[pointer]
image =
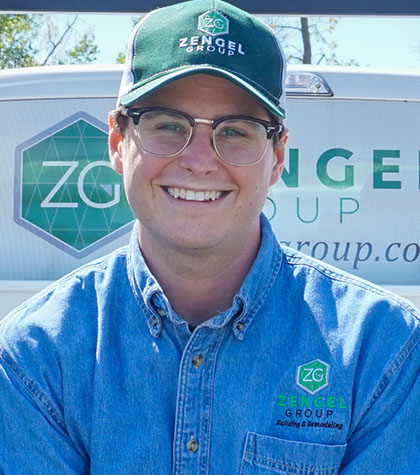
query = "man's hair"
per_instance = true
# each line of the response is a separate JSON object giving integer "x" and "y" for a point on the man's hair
{"x": 119, "y": 120}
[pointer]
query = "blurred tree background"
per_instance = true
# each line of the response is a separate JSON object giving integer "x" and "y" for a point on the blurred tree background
{"x": 308, "y": 40}
{"x": 39, "y": 40}
{"x": 304, "y": 40}
{"x": 36, "y": 40}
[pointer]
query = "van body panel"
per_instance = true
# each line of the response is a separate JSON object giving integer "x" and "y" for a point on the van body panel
{"x": 349, "y": 194}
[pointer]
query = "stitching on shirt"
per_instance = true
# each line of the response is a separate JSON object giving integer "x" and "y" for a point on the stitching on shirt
{"x": 214, "y": 350}
{"x": 32, "y": 388}
{"x": 101, "y": 263}
{"x": 276, "y": 464}
{"x": 404, "y": 352}
{"x": 294, "y": 260}
{"x": 273, "y": 272}
{"x": 394, "y": 367}
{"x": 132, "y": 279}
{"x": 137, "y": 292}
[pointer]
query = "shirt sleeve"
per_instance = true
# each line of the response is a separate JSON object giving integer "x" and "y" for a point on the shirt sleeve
{"x": 386, "y": 439}
{"x": 33, "y": 437}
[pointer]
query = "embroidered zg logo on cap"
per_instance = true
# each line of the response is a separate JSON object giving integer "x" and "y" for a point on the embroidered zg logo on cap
{"x": 313, "y": 376}
{"x": 213, "y": 23}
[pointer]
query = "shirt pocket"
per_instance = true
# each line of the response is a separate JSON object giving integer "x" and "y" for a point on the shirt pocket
{"x": 264, "y": 455}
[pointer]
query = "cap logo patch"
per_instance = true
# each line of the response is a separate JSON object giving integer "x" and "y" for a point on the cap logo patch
{"x": 213, "y": 23}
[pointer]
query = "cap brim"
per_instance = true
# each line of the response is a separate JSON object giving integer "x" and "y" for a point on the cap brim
{"x": 143, "y": 90}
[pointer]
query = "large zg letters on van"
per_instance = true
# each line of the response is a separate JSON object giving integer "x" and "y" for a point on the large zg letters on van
{"x": 68, "y": 193}
{"x": 47, "y": 203}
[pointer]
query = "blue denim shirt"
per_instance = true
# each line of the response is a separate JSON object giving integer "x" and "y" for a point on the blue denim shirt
{"x": 311, "y": 371}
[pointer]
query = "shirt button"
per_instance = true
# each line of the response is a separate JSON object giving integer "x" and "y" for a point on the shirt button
{"x": 155, "y": 322}
{"x": 161, "y": 312}
{"x": 192, "y": 445}
{"x": 240, "y": 326}
{"x": 198, "y": 360}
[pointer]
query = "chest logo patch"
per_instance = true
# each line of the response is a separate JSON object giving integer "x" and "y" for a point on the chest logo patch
{"x": 313, "y": 376}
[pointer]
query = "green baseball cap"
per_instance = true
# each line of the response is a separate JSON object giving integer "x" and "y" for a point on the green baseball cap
{"x": 204, "y": 36}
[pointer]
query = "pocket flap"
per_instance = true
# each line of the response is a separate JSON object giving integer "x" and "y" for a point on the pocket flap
{"x": 288, "y": 456}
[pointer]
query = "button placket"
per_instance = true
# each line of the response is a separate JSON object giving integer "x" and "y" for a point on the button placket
{"x": 193, "y": 415}
{"x": 192, "y": 445}
{"x": 198, "y": 360}
{"x": 161, "y": 312}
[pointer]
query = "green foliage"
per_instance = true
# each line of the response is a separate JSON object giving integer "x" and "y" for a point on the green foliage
{"x": 120, "y": 59}
{"x": 17, "y": 34}
{"x": 85, "y": 51}
{"x": 307, "y": 40}
{"x": 38, "y": 40}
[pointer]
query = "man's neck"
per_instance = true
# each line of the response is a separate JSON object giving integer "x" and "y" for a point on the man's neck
{"x": 199, "y": 284}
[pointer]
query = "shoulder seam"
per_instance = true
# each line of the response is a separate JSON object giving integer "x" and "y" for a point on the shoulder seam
{"x": 34, "y": 391}
{"x": 349, "y": 279}
{"x": 100, "y": 263}
{"x": 409, "y": 347}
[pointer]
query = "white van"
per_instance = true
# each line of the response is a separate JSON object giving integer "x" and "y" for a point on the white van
{"x": 349, "y": 194}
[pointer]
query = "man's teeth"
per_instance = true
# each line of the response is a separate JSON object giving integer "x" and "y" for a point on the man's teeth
{"x": 191, "y": 195}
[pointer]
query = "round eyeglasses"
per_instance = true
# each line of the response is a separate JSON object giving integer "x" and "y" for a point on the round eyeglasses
{"x": 237, "y": 140}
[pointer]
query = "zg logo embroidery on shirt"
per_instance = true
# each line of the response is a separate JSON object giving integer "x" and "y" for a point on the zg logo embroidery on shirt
{"x": 213, "y": 23}
{"x": 313, "y": 376}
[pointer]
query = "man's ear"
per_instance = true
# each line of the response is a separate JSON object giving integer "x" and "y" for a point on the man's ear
{"x": 115, "y": 146}
{"x": 279, "y": 154}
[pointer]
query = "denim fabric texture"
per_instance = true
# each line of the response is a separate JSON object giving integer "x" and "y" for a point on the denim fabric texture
{"x": 310, "y": 372}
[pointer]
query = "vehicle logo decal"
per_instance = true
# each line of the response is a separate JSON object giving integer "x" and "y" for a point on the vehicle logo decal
{"x": 66, "y": 191}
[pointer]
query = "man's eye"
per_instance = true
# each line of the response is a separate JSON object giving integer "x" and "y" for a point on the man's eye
{"x": 164, "y": 123}
{"x": 232, "y": 132}
{"x": 170, "y": 127}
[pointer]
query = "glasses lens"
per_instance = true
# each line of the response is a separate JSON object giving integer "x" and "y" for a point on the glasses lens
{"x": 163, "y": 133}
{"x": 240, "y": 141}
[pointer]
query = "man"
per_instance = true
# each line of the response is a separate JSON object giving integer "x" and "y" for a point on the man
{"x": 204, "y": 347}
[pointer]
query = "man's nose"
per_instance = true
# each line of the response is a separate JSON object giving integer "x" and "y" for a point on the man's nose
{"x": 200, "y": 157}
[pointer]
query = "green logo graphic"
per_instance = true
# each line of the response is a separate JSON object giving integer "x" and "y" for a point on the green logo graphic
{"x": 68, "y": 192}
{"x": 213, "y": 23}
{"x": 313, "y": 376}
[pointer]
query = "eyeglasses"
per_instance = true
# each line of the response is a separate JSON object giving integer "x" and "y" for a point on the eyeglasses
{"x": 237, "y": 140}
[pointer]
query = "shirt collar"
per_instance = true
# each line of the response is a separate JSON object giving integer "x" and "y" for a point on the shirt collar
{"x": 246, "y": 302}
{"x": 260, "y": 279}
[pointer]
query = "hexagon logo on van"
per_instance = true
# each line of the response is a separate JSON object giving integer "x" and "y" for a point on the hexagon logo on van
{"x": 66, "y": 191}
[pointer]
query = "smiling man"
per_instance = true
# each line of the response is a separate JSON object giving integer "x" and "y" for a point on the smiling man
{"x": 197, "y": 186}
{"x": 205, "y": 347}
